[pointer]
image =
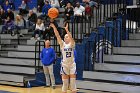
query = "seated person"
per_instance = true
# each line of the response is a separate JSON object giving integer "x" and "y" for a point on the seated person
{"x": 55, "y": 3}
{"x": 19, "y": 24}
{"x": 8, "y": 25}
{"x": 23, "y": 8}
{"x": 78, "y": 12}
{"x": 2, "y": 16}
{"x": 39, "y": 29}
{"x": 10, "y": 14}
{"x": 32, "y": 18}
{"x": 49, "y": 31}
{"x": 69, "y": 11}
{"x": 6, "y": 6}
{"x": 45, "y": 9}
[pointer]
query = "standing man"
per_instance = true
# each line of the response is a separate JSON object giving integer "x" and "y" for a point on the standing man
{"x": 48, "y": 57}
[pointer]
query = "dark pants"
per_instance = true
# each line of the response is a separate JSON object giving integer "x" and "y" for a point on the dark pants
{"x": 18, "y": 28}
{"x": 23, "y": 11}
{"x": 78, "y": 18}
{"x": 5, "y": 28}
{"x": 39, "y": 32}
{"x": 48, "y": 33}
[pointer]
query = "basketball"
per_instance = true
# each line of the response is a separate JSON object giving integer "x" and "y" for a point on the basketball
{"x": 53, "y": 13}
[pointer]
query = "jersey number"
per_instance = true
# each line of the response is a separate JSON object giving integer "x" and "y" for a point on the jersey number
{"x": 68, "y": 54}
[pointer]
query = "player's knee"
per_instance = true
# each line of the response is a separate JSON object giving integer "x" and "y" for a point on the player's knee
{"x": 72, "y": 76}
{"x": 65, "y": 85}
{"x": 73, "y": 84}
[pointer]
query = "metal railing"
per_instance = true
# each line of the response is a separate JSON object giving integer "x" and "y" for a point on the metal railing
{"x": 38, "y": 48}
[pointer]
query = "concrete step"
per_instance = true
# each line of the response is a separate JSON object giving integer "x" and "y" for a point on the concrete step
{"x": 134, "y": 36}
{"x": 108, "y": 87}
{"x": 12, "y": 83}
{"x": 21, "y": 54}
{"x": 122, "y": 58}
{"x": 126, "y": 50}
{"x": 15, "y": 61}
{"x": 17, "y": 69}
{"x": 24, "y": 31}
{"x": 3, "y": 53}
{"x": 8, "y": 36}
{"x": 5, "y": 41}
{"x": 11, "y": 77}
{"x": 131, "y": 43}
{"x": 28, "y": 48}
{"x": 21, "y": 41}
{"x": 112, "y": 77}
{"x": 31, "y": 42}
{"x": 8, "y": 49}
{"x": 124, "y": 68}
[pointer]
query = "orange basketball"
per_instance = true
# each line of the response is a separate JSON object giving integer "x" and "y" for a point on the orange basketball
{"x": 53, "y": 13}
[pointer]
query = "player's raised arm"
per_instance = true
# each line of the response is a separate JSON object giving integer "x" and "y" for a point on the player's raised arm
{"x": 57, "y": 34}
{"x": 69, "y": 34}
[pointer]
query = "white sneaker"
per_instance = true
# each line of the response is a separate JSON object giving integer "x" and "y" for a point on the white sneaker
{"x": 21, "y": 35}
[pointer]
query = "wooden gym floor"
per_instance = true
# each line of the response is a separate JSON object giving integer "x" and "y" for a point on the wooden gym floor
{"x": 40, "y": 90}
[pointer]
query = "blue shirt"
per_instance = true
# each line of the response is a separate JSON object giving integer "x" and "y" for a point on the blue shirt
{"x": 45, "y": 9}
{"x": 47, "y": 56}
{"x": 5, "y": 7}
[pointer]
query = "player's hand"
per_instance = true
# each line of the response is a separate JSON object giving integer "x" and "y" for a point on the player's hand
{"x": 66, "y": 27}
{"x": 52, "y": 25}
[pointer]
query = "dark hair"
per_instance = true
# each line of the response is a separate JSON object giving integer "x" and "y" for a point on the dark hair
{"x": 69, "y": 2}
{"x": 47, "y": 1}
{"x": 87, "y": 3}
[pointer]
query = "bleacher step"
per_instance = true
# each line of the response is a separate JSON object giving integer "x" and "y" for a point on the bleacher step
{"x": 112, "y": 77}
{"x": 11, "y": 77}
{"x": 108, "y": 87}
{"x": 122, "y": 68}
{"x": 28, "y": 48}
{"x": 131, "y": 43}
{"x": 15, "y": 61}
{"x": 122, "y": 58}
{"x": 126, "y": 50}
{"x": 21, "y": 54}
{"x": 12, "y": 83}
{"x": 17, "y": 69}
{"x": 8, "y": 36}
{"x": 134, "y": 36}
{"x": 9, "y": 49}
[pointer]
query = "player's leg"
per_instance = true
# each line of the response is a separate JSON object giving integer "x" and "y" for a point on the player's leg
{"x": 51, "y": 75}
{"x": 46, "y": 72}
{"x": 73, "y": 78}
{"x": 65, "y": 79}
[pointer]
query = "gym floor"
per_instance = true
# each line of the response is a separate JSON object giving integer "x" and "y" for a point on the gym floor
{"x": 40, "y": 90}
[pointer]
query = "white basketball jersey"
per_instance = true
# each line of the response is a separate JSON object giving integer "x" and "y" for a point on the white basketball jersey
{"x": 67, "y": 54}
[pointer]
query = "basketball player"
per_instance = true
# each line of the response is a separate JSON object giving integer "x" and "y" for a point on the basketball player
{"x": 68, "y": 65}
